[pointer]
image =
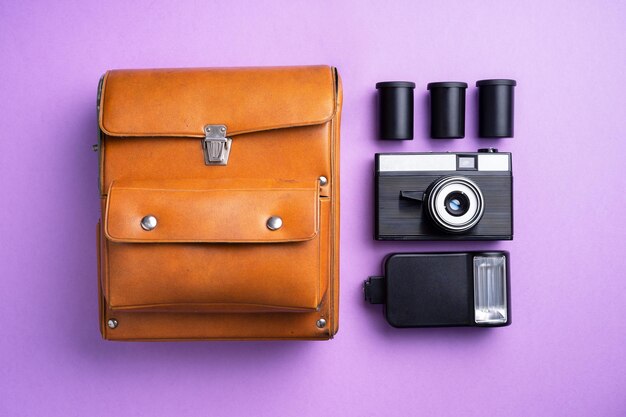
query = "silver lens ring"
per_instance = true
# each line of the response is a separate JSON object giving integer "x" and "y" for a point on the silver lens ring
{"x": 437, "y": 207}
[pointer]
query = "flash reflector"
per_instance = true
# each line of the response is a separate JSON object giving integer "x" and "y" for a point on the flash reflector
{"x": 490, "y": 289}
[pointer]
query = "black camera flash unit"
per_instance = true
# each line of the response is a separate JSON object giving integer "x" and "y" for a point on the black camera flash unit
{"x": 443, "y": 289}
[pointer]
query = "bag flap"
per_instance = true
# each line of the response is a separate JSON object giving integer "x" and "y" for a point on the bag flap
{"x": 212, "y": 211}
{"x": 180, "y": 102}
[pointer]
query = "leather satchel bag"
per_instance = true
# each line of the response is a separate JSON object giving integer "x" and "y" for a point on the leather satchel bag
{"x": 219, "y": 203}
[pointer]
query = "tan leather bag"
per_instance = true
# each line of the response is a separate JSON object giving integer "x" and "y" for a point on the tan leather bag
{"x": 220, "y": 203}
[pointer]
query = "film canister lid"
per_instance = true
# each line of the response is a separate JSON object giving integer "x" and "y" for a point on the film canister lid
{"x": 447, "y": 109}
{"x": 390, "y": 84}
{"x": 496, "y": 82}
{"x": 441, "y": 84}
{"x": 496, "y": 108}
{"x": 395, "y": 109}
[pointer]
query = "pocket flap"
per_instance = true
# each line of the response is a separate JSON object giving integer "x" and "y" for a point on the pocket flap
{"x": 180, "y": 102}
{"x": 212, "y": 211}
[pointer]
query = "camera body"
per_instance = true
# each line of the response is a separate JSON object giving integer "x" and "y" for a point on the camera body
{"x": 444, "y": 196}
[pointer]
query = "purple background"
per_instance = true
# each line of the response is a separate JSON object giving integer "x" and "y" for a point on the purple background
{"x": 564, "y": 352}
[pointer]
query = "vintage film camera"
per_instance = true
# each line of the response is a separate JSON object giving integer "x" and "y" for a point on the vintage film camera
{"x": 444, "y": 196}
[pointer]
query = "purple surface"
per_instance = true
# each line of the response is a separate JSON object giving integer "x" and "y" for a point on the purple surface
{"x": 564, "y": 352}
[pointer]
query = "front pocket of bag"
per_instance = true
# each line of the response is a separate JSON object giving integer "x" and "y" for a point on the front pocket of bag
{"x": 211, "y": 249}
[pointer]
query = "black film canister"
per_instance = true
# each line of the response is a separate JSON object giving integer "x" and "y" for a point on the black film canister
{"x": 447, "y": 109}
{"x": 395, "y": 110}
{"x": 495, "y": 108}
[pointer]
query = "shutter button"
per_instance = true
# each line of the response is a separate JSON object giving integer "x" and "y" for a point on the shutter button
{"x": 274, "y": 223}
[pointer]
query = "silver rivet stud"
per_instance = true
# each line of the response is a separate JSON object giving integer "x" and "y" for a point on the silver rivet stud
{"x": 112, "y": 323}
{"x": 323, "y": 181}
{"x": 149, "y": 222}
{"x": 222, "y": 129}
{"x": 274, "y": 223}
{"x": 207, "y": 129}
{"x": 321, "y": 323}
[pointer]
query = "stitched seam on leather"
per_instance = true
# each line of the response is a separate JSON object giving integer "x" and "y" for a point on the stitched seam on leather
{"x": 272, "y": 307}
{"x": 333, "y": 157}
{"x": 101, "y": 315}
{"x": 215, "y": 338}
{"x": 108, "y": 273}
{"x": 177, "y": 190}
{"x": 101, "y": 167}
{"x": 259, "y": 241}
{"x": 337, "y": 139}
{"x": 319, "y": 254}
{"x": 199, "y": 136}
{"x": 102, "y": 95}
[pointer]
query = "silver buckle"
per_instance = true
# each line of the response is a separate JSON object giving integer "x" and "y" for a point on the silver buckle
{"x": 216, "y": 145}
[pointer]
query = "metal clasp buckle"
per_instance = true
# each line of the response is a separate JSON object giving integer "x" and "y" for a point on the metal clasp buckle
{"x": 216, "y": 145}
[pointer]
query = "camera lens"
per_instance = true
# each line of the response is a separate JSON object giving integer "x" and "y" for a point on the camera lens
{"x": 455, "y": 204}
